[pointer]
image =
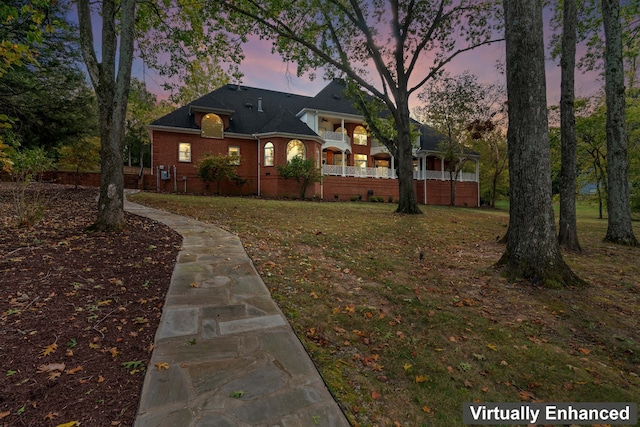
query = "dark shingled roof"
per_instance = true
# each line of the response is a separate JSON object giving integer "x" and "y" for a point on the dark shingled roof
{"x": 429, "y": 138}
{"x": 278, "y": 111}
{"x": 332, "y": 98}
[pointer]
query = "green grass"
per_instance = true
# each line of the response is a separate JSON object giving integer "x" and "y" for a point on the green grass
{"x": 400, "y": 339}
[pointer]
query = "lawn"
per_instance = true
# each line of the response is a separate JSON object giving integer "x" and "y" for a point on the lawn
{"x": 406, "y": 317}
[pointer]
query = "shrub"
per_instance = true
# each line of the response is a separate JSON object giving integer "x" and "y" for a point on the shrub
{"x": 27, "y": 168}
{"x": 219, "y": 168}
{"x": 303, "y": 171}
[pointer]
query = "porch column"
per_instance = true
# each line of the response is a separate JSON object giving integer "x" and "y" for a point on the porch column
{"x": 424, "y": 166}
{"x": 343, "y": 155}
{"x": 477, "y": 171}
{"x": 343, "y": 129}
{"x": 393, "y": 167}
{"x": 442, "y": 167}
{"x": 478, "y": 180}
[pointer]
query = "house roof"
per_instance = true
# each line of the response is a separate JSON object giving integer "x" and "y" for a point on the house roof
{"x": 333, "y": 98}
{"x": 429, "y": 138}
{"x": 252, "y": 111}
{"x": 255, "y": 111}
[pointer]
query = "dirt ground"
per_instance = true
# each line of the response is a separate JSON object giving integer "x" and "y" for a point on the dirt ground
{"x": 78, "y": 311}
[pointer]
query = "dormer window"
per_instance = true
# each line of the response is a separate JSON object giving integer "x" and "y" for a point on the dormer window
{"x": 212, "y": 126}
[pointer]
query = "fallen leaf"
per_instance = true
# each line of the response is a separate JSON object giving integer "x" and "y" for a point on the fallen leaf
{"x": 525, "y": 395}
{"x": 51, "y": 415}
{"x": 4, "y": 414}
{"x": 54, "y": 375}
{"x": 74, "y": 370}
{"x": 584, "y": 351}
{"x": 427, "y": 410}
{"x": 194, "y": 285}
{"x": 468, "y": 384}
{"x": 51, "y": 367}
{"x": 422, "y": 378}
{"x": 114, "y": 352}
{"x": 49, "y": 350}
{"x": 69, "y": 424}
{"x": 375, "y": 395}
{"x": 407, "y": 367}
{"x": 100, "y": 379}
{"x": 492, "y": 347}
{"x": 162, "y": 365}
{"x": 452, "y": 339}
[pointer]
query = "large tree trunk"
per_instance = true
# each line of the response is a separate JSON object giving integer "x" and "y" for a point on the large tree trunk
{"x": 568, "y": 230}
{"x": 620, "y": 229}
{"x": 408, "y": 202}
{"x": 111, "y": 80}
{"x": 532, "y": 247}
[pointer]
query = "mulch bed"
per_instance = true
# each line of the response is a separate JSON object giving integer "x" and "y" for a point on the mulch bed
{"x": 78, "y": 311}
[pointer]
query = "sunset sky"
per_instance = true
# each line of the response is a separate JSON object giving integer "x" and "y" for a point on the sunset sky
{"x": 265, "y": 70}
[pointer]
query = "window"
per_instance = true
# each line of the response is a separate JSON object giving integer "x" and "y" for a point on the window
{"x": 235, "y": 152}
{"x": 360, "y": 136}
{"x": 184, "y": 152}
{"x": 360, "y": 160}
{"x": 295, "y": 148}
{"x": 268, "y": 154}
{"x": 212, "y": 126}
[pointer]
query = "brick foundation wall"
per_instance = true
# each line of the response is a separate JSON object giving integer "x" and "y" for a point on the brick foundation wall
{"x": 438, "y": 192}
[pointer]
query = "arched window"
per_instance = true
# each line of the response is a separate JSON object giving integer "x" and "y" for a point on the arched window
{"x": 212, "y": 126}
{"x": 360, "y": 135}
{"x": 295, "y": 148}
{"x": 268, "y": 154}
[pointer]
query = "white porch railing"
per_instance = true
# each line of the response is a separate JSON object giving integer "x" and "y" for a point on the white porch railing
{"x": 358, "y": 172}
{"x": 443, "y": 175}
{"x": 383, "y": 172}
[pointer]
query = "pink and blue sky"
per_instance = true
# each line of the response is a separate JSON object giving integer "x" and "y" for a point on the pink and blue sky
{"x": 265, "y": 70}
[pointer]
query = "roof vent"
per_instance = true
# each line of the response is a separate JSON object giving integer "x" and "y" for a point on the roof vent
{"x": 249, "y": 105}
{"x": 336, "y": 96}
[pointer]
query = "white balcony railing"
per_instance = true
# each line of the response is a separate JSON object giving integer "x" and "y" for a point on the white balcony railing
{"x": 383, "y": 172}
{"x": 443, "y": 176}
{"x": 358, "y": 172}
{"x": 335, "y": 136}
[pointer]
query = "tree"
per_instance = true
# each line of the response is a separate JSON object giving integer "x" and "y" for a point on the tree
{"x": 568, "y": 229}
{"x": 82, "y": 155}
{"x": 452, "y": 104}
{"x": 201, "y": 78}
{"x": 218, "y": 168}
{"x": 111, "y": 81}
{"x": 592, "y": 150}
{"x": 140, "y": 112}
{"x": 303, "y": 171}
{"x": 532, "y": 250}
{"x": 620, "y": 229}
{"x": 403, "y": 44}
{"x": 23, "y": 23}
{"x": 171, "y": 33}
{"x": 490, "y": 141}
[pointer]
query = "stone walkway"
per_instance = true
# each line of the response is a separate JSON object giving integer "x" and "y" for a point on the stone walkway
{"x": 232, "y": 359}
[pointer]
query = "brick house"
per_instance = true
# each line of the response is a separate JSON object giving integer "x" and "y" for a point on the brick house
{"x": 267, "y": 128}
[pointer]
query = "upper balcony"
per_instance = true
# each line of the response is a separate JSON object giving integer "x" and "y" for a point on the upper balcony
{"x": 337, "y": 140}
